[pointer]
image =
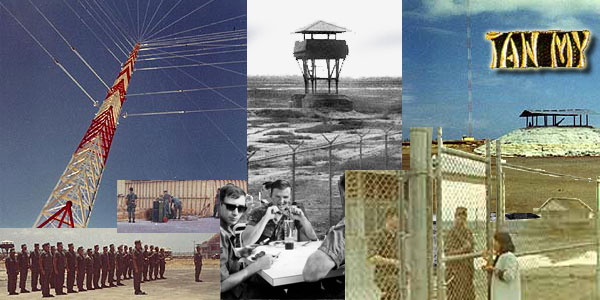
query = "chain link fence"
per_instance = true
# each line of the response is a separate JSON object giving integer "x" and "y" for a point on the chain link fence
{"x": 375, "y": 235}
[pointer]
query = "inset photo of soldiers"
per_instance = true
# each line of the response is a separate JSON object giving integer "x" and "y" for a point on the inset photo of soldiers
{"x": 169, "y": 206}
{"x": 104, "y": 264}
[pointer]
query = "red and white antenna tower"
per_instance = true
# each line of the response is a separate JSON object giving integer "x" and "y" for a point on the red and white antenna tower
{"x": 72, "y": 199}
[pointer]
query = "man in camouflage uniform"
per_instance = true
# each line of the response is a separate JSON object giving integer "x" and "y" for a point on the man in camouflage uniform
{"x": 89, "y": 270}
{"x": 46, "y": 269}
{"x": 138, "y": 267}
{"x": 131, "y": 199}
{"x": 151, "y": 263}
{"x": 111, "y": 266}
{"x": 162, "y": 263}
{"x": 383, "y": 253}
{"x": 80, "y": 269}
{"x": 97, "y": 267}
{"x": 52, "y": 275}
{"x": 459, "y": 274}
{"x": 130, "y": 263}
{"x": 120, "y": 265}
{"x": 145, "y": 263}
{"x": 71, "y": 257}
{"x": 59, "y": 269}
{"x": 12, "y": 270}
{"x": 35, "y": 267}
{"x": 156, "y": 262}
{"x": 104, "y": 267}
{"x": 23, "y": 259}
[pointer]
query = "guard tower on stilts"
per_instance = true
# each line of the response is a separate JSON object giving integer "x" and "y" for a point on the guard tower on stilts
{"x": 320, "y": 48}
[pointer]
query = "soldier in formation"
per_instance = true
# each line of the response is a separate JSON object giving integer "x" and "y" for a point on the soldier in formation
{"x": 53, "y": 264}
{"x": 198, "y": 263}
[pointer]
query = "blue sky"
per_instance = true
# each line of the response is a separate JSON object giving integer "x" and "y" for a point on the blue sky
{"x": 434, "y": 90}
{"x": 44, "y": 115}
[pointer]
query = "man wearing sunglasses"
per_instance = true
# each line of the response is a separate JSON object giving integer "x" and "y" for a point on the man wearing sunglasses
{"x": 232, "y": 206}
{"x": 267, "y": 221}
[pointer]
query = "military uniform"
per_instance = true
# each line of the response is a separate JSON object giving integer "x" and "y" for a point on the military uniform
{"x": 198, "y": 264}
{"x": 35, "y": 270}
{"x": 12, "y": 269}
{"x": 111, "y": 268}
{"x": 104, "y": 258}
{"x": 59, "y": 272}
{"x": 71, "y": 258}
{"x": 52, "y": 275}
{"x": 145, "y": 272}
{"x": 80, "y": 271}
{"x": 47, "y": 269}
{"x": 23, "y": 260}
{"x": 119, "y": 266}
{"x": 138, "y": 261}
{"x": 89, "y": 271}
{"x": 151, "y": 264}
{"x": 97, "y": 267}
{"x": 459, "y": 240}
{"x": 156, "y": 263}
{"x": 131, "y": 198}
{"x": 162, "y": 263}
{"x": 130, "y": 262}
{"x": 385, "y": 244}
{"x": 230, "y": 264}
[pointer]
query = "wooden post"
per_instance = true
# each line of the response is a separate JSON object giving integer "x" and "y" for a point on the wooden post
{"x": 328, "y": 76}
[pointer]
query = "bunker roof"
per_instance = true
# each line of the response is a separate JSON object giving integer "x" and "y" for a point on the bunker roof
{"x": 321, "y": 27}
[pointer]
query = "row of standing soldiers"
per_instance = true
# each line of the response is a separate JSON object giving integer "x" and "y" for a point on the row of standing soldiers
{"x": 50, "y": 266}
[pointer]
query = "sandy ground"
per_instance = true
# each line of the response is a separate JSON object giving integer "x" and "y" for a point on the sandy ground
{"x": 179, "y": 284}
{"x": 203, "y": 225}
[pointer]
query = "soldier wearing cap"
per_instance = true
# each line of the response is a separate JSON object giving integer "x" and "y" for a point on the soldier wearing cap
{"x": 151, "y": 263}
{"x": 145, "y": 263}
{"x": 130, "y": 262}
{"x": 71, "y": 257}
{"x": 198, "y": 262}
{"x": 162, "y": 263}
{"x": 125, "y": 259}
{"x": 156, "y": 262}
{"x": 131, "y": 198}
{"x": 89, "y": 270}
{"x": 52, "y": 277}
{"x": 23, "y": 260}
{"x": 138, "y": 266}
{"x": 104, "y": 267}
{"x": 12, "y": 269}
{"x": 119, "y": 264}
{"x": 35, "y": 267}
{"x": 111, "y": 266}
{"x": 59, "y": 262}
{"x": 80, "y": 269}
{"x": 97, "y": 267}
{"x": 46, "y": 270}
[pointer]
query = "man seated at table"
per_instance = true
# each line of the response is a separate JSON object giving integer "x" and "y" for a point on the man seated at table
{"x": 266, "y": 222}
{"x": 331, "y": 254}
{"x": 232, "y": 205}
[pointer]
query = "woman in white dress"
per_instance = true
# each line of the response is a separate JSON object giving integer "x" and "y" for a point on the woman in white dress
{"x": 506, "y": 281}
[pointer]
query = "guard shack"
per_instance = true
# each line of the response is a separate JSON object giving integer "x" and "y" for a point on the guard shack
{"x": 557, "y": 118}
{"x": 320, "y": 49}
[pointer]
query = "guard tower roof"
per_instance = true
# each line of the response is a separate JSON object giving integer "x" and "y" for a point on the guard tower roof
{"x": 321, "y": 27}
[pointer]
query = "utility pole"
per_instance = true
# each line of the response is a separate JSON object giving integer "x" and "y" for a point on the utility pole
{"x": 72, "y": 199}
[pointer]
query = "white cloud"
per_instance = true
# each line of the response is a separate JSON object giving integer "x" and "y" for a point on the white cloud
{"x": 547, "y": 8}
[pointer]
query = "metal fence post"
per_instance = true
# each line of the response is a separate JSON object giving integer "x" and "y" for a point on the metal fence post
{"x": 429, "y": 205}
{"x": 387, "y": 131}
{"x": 330, "y": 176}
{"x": 360, "y": 144}
{"x": 499, "y": 189}
{"x": 401, "y": 249}
{"x": 294, "y": 149}
{"x": 597, "y": 296}
{"x": 439, "y": 219}
{"x": 418, "y": 210}
{"x": 488, "y": 205}
{"x": 248, "y": 157}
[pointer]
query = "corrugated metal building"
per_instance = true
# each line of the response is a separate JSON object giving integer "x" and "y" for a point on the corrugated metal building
{"x": 197, "y": 196}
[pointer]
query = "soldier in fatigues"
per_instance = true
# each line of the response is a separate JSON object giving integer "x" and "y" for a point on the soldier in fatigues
{"x": 52, "y": 277}
{"x": 162, "y": 263}
{"x": 59, "y": 269}
{"x": 383, "y": 253}
{"x": 138, "y": 266}
{"x": 35, "y": 267}
{"x": 104, "y": 258}
{"x": 80, "y": 269}
{"x": 145, "y": 263}
{"x": 130, "y": 268}
{"x": 12, "y": 269}
{"x": 111, "y": 266}
{"x": 151, "y": 263}
{"x": 46, "y": 269}
{"x": 198, "y": 263}
{"x": 89, "y": 270}
{"x": 459, "y": 273}
{"x": 131, "y": 198}
{"x": 23, "y": 259}
{"x": 156, "y": 262}
{"x": 97, "y": 267}
{"x": 71, "y": 257}
{"x": 119, "y": 264}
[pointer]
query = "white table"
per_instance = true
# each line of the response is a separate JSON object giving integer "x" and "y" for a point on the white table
{"x": 287, "y": 268}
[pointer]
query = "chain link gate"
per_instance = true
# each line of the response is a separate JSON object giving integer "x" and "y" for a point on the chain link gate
{"x": 463, "y": 229}
{"x": 376, "y": 228}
